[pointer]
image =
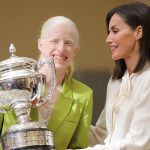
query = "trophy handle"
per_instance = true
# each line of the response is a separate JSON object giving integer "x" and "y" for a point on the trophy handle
{"x": 51, "y": 66}
{"x": 4, "y": 104}
{"x": 3, "y": 107}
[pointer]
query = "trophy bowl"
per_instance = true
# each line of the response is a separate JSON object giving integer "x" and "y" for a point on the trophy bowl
{"x": 22, "y": 87}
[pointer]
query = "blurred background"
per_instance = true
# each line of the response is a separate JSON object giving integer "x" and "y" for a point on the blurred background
{"x": 21, "y": 21}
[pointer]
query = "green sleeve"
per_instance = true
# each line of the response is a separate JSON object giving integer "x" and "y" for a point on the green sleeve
{"x": 81, "y": 135}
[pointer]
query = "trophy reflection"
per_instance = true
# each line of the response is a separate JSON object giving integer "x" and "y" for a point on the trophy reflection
{"x": 23, "y": 87}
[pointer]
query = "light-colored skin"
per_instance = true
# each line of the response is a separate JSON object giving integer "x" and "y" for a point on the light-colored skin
{"x": 61, "y": 46}
{"x": 124, "y": 41}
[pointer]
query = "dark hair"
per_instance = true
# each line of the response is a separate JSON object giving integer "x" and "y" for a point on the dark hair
{"x": 134, "y": 14}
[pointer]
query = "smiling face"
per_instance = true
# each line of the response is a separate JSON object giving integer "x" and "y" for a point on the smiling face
{"x": 60, "y": 45}
{"x": 122, "y": 39}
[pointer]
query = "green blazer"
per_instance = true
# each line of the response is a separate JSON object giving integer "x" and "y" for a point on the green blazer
{"x": 71, "y": 118}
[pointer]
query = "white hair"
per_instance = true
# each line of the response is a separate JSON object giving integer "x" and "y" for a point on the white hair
{"x": 51, "y": 22}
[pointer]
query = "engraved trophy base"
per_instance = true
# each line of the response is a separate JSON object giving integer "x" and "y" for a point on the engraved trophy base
{"x": 25, "y": 137}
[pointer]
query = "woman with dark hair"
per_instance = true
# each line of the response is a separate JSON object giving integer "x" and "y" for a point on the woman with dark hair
{"x": 124, "y": 122}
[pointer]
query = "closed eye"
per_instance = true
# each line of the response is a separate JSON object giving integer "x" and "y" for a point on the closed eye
{"x": 55, "y": 41}
{"x": 69, "y": 43}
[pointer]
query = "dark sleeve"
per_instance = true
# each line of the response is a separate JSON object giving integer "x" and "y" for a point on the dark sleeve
{"x": 1, "y": 122}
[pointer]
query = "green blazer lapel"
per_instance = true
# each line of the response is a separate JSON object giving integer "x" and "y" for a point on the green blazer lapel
{"x": 62, "y": 107}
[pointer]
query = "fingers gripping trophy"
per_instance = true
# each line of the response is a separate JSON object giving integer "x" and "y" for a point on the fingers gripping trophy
{"x": 23, "y": 87}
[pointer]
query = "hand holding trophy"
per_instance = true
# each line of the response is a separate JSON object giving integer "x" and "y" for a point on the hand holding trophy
{"x": 23, "y": 87}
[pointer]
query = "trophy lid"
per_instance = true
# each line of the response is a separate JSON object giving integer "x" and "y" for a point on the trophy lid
{"x": 15, "y": 61}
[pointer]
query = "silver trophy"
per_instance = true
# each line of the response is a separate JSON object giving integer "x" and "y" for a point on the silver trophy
{"x": 22, "y": 87}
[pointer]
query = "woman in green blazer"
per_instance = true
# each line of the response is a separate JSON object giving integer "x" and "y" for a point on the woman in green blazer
{"x": 68, "y": 113}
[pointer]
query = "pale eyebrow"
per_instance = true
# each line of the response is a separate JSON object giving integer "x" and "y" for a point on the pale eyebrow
{"x": 70, "y": 40}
